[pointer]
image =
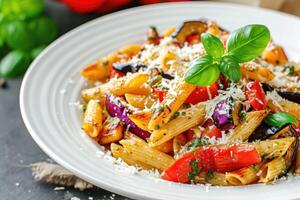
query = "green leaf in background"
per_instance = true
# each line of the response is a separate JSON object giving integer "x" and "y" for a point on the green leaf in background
{"x": 19, "y": 36}
{"x": 202, "y": 71}
{"x": 230, "y": 68}
{"x": 22, "y": 9}
{"x": 248, "y": 42}
{"x": 212, "y": 45}
{"x": 279, "y": 119}
{"x": 45, "y": 30}
{"x": 35, "y": 52}
{"x": 14, "y": 64}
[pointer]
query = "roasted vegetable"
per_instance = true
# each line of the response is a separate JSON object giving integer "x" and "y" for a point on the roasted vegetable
{"x": 189, "y": 28}
{"x": 222, "y": 115}
{"x": 116, "y": 109}
{"x": 275, "y": 55}
{"x": 289, "y": 95}
{"x": 291, "y": 154}
{"x": 207, "y": 158}
{"x": 124, "y": 68}
{"x": 263, "y": 132}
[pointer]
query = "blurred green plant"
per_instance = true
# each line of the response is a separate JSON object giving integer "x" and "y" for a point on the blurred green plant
{"x": 24, "y": 32}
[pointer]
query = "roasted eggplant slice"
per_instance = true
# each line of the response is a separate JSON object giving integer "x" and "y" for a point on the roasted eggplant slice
{"x": 263, "y": 131}
{"x": 289, "y": 95}
{"x": 124, "y": 68}
{"x": 291, "y": 155}
{"x": 190, "y": 27}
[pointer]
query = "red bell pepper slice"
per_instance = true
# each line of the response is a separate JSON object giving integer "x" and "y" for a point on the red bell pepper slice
{"x": 85, "y": 6}
{"x": 159, "y": 93}
{"x": 153, "y": 36}
{"x": 220, "y": 159}
{"x": 193, "y": 38}
{"x": 256, "y": 95}
{"x": 297, "y": 128}
{"x": 115, "y": 73}
{"x": 202, "y": 93}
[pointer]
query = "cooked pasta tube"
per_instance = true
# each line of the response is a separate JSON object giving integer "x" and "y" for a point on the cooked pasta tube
{"x": 133, "y": 83}
{"x": 243, "y": 176}
{"x": 256, "y": 72}
{"x": 272, "y": 170}
{"x": 213, "y": 178}
{"x": 139, "y": 101}
{"x": 141, "y": 119}
{"x": 92, "y": 121}
{"x": 170, "y": 105}
{"x": 119, "y": 152}
{"x": 139, "y": 150}
{"x": 273, "y": 148}
{"x": 246, "y": 128}
{"x": 297, "y": 164}
{"x": 194, "y": 116}
{"x": 276, "y": 103}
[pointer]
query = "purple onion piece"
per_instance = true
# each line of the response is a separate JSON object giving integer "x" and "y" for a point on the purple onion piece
{"x": 116, "y": 109}
{"x": 222, "y": 115}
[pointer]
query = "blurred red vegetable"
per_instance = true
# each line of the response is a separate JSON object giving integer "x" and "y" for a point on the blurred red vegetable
{"x": 104, "y": 6}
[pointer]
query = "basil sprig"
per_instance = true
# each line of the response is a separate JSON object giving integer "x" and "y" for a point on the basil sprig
{"x": 243, "y": 45}
{"x": 279, "y": 119}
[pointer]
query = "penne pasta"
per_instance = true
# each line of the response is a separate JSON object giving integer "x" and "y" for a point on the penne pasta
{"x": 119, "y": 152}
{"x": 140, "y": 151}
{"x": 133, "y": 83}
{"x": 278, "y": 104}
{"x": 272, "y": 170}
{"x": 213, "y": 178}
{"x": 243, "y": 176}
{"x": 273, "y": 148}
{"x": 195, "y": 115}
{"x": 141, "y": 119}
{"x": 140, "y": 101}
{"x": 92, "y": 121}
{"x": 245, "y": 129}
{"x": 256, "y": 72}
{"x": 170, "y": 105}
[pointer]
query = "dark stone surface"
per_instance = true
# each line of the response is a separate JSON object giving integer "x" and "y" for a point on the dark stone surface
{"x": 18, "y": 150}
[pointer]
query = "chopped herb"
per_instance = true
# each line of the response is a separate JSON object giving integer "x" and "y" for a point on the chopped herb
{"x": 105, "y": 62}
{"x": 209, "y": 174}
{"x": 83, "y": 107}
{"x": 183, "y": 113}
{"x": 157, "y": 127}
{"x": 155, "y": 80}
{"x": 197, "y": 142}
{"x": 291, "y": 71}
{"x": 157, "y": 108}
{"x": 195, "y": 170}
{"x": 168, "y": 107}
{"x": 175, "y": 115}
{"x": 150, "y": 38}
{"x": 243, "y": 115}
{"x": 186, "y": 105}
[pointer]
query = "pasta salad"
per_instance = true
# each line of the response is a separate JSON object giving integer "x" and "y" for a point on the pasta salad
{"x": 199, "y": 104}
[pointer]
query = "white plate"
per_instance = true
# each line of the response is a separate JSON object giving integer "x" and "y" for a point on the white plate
{"x": 53, "y": 81}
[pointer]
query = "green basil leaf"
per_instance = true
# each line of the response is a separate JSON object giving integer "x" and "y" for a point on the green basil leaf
{"x": 202, "y": 71}
{"x": 279, "y": 119}
{"x": 212, "y": 45}
{"x": 14, "y": 64}
{"x": 230, "y": 68}
{"x": 44, "y": 29}
{"x": 248, "y": 42}
{"x": 22, "y": 9}
{"x": 19, "y": 36}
